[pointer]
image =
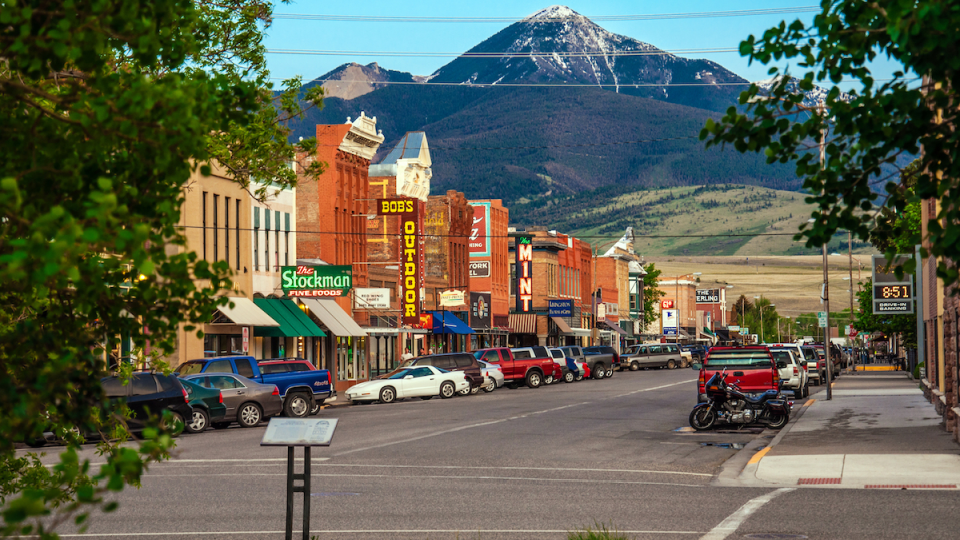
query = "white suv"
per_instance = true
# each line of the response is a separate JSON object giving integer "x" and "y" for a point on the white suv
{"x": 793, "y": 373}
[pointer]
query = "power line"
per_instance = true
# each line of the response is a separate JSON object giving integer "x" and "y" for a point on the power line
{"x": 532, "y": 85}
{"x": 637, "y": 17}
{"x": 545, "y": 147}
{"x": 505, "y": 54}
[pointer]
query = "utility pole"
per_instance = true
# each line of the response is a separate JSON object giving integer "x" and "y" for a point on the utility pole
{"x": 853, "y": 357}
{"x": 826, "y": 277}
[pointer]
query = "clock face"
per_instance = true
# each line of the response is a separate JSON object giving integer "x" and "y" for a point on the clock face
{"x": 891, "y": 292}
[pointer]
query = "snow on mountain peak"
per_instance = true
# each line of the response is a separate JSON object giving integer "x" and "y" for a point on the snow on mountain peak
{"x": 553, "y": 13}
{"x": 811, "y": 98}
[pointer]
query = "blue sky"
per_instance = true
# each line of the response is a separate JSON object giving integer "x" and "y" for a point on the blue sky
{"x": 670, "y": 34}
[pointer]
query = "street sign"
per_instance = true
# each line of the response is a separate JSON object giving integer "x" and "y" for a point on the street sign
{"x": 822, "y": 319}
{"x": 246, "y": 339}
{"x": 744, "y": 331}
{"x": 891, "y": 295}
{"x": 851, "y": 331}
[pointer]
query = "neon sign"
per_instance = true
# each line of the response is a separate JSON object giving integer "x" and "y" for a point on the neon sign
{"x": 524, "y": 262}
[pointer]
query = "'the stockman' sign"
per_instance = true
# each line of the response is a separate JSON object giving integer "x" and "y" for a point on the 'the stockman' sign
{"x": 411, "y": 213}
{"x": 316, "y": 281}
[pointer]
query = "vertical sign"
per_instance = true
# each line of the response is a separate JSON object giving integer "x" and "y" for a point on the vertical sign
{"x": 524, "y": 252}
{"x": 411, "y": 253}
{"x": 246, "y": 339}
{"x": 479, "y": 243}
{"x": 480, "y": 310}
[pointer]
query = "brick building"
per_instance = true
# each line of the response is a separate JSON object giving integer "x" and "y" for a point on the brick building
{"x": 331, "y": 223}
{"x": 448, "y": 224}
{"x": 489, "y": 250}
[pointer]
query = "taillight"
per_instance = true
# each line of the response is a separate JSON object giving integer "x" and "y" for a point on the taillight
{"x": 795, "y": 370}
{"x": 186, "y": 399}
{"x": 276, "y": 391}
{"x": 220, "y": 395}
{"x": 701, "y": 381}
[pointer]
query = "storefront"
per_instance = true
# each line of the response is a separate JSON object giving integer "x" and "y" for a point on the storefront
{"x": 450, "y": 334}
{"x": 285, "y": 340}
{"x": 523, "y": 330}
{"x": 230, "y": 331}
{"x": 346, "y": 345}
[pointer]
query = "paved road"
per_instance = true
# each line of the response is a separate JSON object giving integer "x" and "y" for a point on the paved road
{"x": 512, "y": 464}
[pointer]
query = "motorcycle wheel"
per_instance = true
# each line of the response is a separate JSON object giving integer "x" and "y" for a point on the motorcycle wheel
{"x": 702, "y": 417}
{"x": 777, "y": 420}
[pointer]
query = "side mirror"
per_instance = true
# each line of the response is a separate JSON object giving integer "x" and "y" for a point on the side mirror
{"x": 696, "y": 366}
{"x": 408, "y": 377}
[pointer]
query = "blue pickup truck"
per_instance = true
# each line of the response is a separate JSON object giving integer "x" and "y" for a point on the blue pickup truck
{"x": 302, "y": 386}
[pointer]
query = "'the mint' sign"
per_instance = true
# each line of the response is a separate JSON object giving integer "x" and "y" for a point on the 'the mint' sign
{"x": 316, "y": 281}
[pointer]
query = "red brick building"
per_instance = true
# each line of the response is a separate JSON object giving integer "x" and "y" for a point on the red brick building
{"x": 332, "y": 229}
{"x": 489, "y": 249}
{"x": 448, "y": 225}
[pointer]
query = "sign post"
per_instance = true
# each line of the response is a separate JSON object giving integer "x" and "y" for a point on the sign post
{"x": 293, "y": 432}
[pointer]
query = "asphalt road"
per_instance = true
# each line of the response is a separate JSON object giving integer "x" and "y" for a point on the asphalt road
{"x": 514, "y": 464}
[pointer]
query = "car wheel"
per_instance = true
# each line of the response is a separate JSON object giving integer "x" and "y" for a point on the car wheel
{"x": 490, "y": 386}
{"x": 634, "y": 366}
{"x": 474, "y": 390}
{"x": 805, "y": 391}
{"x": 569, "y": 377}
{"x": 447, "y": 390}
{"x": 249, "y": 415}
{"x": 609, "y": 373}
{"x": 464, "y": 392}
{"x": 221, "y": 425}
{"x": 702, "y": 417}
{"x": 175, "y": 423}
{"x": 296, "y": 405}
{"x": 548, "y": 380}
{"x": 388, "y": 394}
{"x": 598, "y": 371}
{"x": 315, "y": 410}
{"x": 198, "y": 421}
{"x": 671, "y": 364}
{"x": 39, "y": 442}
{"x": 579, "y": 377}
{"x": 534, "y": 379}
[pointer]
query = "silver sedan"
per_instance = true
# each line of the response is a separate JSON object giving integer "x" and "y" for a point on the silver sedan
{"x": 492, "y": 376}
{"x": 248, "y": 402}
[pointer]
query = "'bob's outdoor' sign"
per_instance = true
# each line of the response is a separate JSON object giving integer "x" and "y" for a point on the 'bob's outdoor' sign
{"x": 410, "y": 212}
{"x": 316, "y": 281}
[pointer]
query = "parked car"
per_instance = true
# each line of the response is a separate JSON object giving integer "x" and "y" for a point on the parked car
{"x": 302, "y": 392}
{"x": 461, "y": 361}
{"x": 608, "y": 356}
{"x": 568, "y": 366}
{"x": 816, "y": 367}
{"x": 551, "y": 375}
{"x": 423, "y": 381}
{"x": 492, "y": 376}
{"x": 516, "y": 371}
{"x": 653, "y": 355}
{"x": 206, "y": 404}
{"x": 697, "y": 352}
{"x": 752, "y": 369}
{"x": 593, "y": 361}
{"x": 792, "y": 371}
{"x": 248, "y": 402}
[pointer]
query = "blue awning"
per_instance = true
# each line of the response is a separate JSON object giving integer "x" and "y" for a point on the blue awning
{"x": 445, "y": 322}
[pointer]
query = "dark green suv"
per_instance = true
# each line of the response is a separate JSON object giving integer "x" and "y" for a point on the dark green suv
{"x": 207, "y": 405}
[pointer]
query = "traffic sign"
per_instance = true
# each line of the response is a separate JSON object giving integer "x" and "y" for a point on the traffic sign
{"x": 851, "y": 331}
{"x": 822, "y": 318}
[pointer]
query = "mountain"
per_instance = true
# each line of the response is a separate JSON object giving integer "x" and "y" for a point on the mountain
{"x": 811, "y": 98}
{"x": 353, "y": 80}
{"x": 558, "y": 45}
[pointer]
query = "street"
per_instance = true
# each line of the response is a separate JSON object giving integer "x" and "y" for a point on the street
{"x": 512, "y": 464}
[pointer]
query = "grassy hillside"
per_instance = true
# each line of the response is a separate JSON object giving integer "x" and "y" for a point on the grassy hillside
{"x": 682, "y": 213}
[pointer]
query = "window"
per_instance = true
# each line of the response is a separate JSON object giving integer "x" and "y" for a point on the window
{"x": 266, "y": 240}
{"x": 274, "y": 368}
{"x": 256, "y": 239}
{"x": 491, "y": 356}
{"x": 286, "y": 240}
{"x": 203, "y": 212}
{"x": 276, "y": 251}
{"x": 464, "y": 361}
{"x": 226, "y": 230}
{"x": 739, "y": 358}
{"x": 220, "y": 366}
{"x": 168, "y": 383}
{"x": 113, "y": 387}
{"x": 237, "y": 213}
{"x": 421, "y": 372}
{"x": 224, "y": 383}
{"x": 142, "y": 384}
{"x": 244, "y": 367}
{"x": 216, "y": 230}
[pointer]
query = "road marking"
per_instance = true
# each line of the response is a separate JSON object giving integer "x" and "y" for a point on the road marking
{"x": 438, "y": 477}
{"x": 249, "y": 460}
{"x": 759, "y": 455}
{"x": 356, "y": 531}
{"x": 492, "y": 422}
{"x": 809, "y": 402}
{"x": 513, "y": 468}
{"x": 734, "y": 520}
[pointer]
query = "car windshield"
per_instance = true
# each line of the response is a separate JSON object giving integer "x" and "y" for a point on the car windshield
{"x": 756, "y": 358}
{"x": 781, "y": 355}
{"x": 190, "y": 368}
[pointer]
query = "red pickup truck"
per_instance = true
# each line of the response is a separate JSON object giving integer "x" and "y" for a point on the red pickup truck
{"x": 531, "y": 371}
{"x": 752, "y": 368}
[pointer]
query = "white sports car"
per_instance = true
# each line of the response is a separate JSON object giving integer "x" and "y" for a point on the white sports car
{"x": 423, "y": 382}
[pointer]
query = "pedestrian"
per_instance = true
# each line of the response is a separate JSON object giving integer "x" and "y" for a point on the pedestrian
{"x": 407, "y": 355}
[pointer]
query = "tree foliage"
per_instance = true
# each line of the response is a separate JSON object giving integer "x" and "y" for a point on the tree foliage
{"x": 651, "y": 295}
{"x": 865, "y": 136}
{"x": 868, "y": 321}
{"x": 106, "y": 109}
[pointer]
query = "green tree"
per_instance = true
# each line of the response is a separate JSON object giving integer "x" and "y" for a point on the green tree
{"x": 867, "y": 135}
{"x": 106, "y": 108}
{"x": 868, "y": 321}
{"x": 651, "y": 295}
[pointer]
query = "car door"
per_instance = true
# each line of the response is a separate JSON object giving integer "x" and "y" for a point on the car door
{"x": 672, "y": 352}
{"x": 650, "y": 357}
{"x": 422, "y": 382}
{"x": 233, "y": 392}
{"x": 142, "y": 398}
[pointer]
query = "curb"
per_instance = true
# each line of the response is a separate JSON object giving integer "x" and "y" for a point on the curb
{"x": 741, "y": 469}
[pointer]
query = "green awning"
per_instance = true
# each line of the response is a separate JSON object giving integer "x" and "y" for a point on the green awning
{"x": 707, "y": 331}
{"x": 293, "y": 321}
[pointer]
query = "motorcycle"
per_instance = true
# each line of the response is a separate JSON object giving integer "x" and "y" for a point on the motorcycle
{"x": 726, "y": 403}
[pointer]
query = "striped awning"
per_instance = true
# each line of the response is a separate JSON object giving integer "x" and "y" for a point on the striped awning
{"x": 523, "y": 323}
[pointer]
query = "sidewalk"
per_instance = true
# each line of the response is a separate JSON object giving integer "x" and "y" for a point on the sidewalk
{"x": 878, "y": 431}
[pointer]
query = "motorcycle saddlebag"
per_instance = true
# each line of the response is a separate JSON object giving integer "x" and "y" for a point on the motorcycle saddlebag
{"x": 778, "y": 405}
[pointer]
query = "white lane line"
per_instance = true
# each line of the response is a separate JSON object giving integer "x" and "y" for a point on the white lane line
{"x": 240, "y": 461}
{"x": 734, "y": 520}
{"x": 438, "y": 477}
{"x": 354, "y": 531}
{"x": 641, "y": 471}
{"x": 491, "y": 422}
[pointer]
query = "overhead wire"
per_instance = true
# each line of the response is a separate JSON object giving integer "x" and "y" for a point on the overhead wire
{"x": 505, "y": 54}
